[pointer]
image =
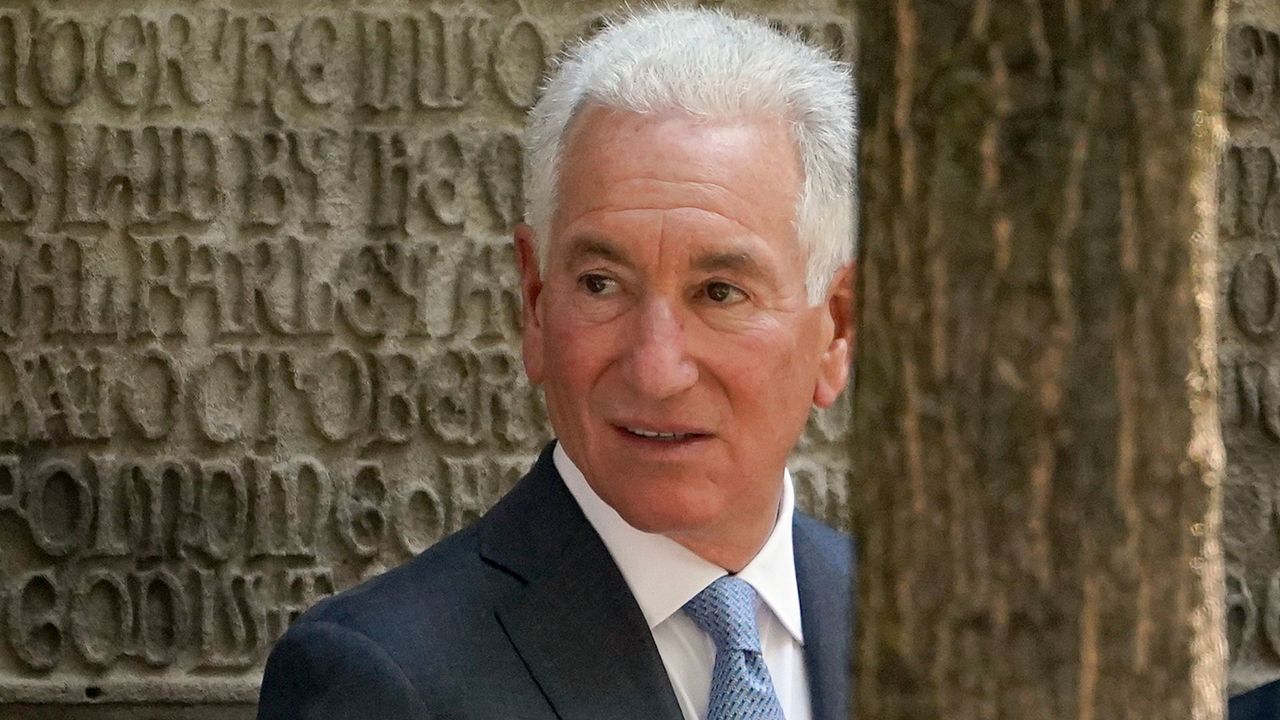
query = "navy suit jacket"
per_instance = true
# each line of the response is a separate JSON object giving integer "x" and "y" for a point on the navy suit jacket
{"x": 524, "y": 615}
{"x": 1258, "y": 704}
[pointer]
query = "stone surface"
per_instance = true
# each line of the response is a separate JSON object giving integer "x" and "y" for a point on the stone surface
{"x": 1248, "y": 320}
{"x": 258, "y": 321}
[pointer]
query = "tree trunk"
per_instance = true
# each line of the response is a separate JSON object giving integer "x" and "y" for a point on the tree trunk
{"x": 1036, "y": 428}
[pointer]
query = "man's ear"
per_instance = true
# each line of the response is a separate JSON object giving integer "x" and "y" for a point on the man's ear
{"x": 531, "y": 343}
{"x": 833, "y": 366}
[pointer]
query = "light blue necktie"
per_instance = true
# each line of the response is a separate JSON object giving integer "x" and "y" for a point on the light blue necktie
{"x": 741, "y": 688}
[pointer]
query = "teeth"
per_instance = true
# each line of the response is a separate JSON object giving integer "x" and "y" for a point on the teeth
{"x": 658, "y": 435}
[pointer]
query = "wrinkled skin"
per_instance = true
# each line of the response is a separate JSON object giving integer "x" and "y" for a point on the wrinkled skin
{"x": 674, "y": 302}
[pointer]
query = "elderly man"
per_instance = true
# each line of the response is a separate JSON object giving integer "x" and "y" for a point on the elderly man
{"x": 687, "y": 291}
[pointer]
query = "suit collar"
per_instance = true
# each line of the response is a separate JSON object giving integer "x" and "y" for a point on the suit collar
{"x": 526, "y": 532}
{"x": 824, "y": 576}
{"x": 663, "y": 575}
{"x": 575, "y": 624}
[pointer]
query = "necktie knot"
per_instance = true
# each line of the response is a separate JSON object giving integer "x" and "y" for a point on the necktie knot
{"x": 726, "y": 611}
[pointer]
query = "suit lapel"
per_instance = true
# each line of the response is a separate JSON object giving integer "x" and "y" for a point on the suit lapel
{"x": 576, "y": 625}
{"x": 824, "y": 580}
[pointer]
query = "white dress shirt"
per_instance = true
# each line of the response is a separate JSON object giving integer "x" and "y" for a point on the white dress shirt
{"x": 663, "y": 575}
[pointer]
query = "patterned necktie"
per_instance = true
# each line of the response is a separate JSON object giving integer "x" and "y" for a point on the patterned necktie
{"x": 741, "y": 688}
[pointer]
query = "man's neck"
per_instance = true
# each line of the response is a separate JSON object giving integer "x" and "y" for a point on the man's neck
{"x": 663, "y": 573}
{"x": 730, "y": 544}
{"x": 732, "y": 548}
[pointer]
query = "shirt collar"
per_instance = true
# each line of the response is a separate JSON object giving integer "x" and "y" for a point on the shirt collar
{"x": 663, "y": 575}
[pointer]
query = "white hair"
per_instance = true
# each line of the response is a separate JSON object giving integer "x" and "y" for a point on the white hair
{"x": 711, "y": 64}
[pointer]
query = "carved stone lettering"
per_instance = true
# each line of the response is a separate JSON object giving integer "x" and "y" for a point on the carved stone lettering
{"x": 414, "y": 176}
{"x": 36, "y": 614}
{"x": 19, "y": 180}
{"x": 1249, "y": 364}
{"x": 64, "y": 59}
{"x": 501, "y": 168}
{"x": 1253, "y": 60}
{"x": 451, "y": 48}
{"x": 312, "y": 60}
{"x": 15, "y": 58}
{"x": 517, "y": 79}
{"x": 386, "y": 46}
{"x": 1255, "y": 294}
{"x": 178, "y": 65}
{"x": 260, "y": 320}
{"x": 121, "y": 59}
{"x": 427, "y": 60}
{"x": 263, "y": 55}
{"x": 1250, "y": 204}
{"x": 149, "y": 174}
{"x": 101, "y": 617}
{"x": 1251, "y": 395}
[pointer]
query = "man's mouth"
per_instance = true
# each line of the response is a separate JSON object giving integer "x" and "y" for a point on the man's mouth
{"x": 661, "y": 435}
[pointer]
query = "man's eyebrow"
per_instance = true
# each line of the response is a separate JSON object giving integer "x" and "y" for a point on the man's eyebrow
{"x": 731, "y": 261}
{"x": 583, "y": 246}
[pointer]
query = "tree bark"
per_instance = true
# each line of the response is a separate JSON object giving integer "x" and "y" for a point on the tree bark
{"x": 1037, "y": 447}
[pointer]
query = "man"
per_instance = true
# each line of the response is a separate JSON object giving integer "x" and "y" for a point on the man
{"x": 687, "y": 292}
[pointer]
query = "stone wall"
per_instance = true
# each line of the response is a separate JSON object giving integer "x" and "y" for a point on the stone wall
{"x": 1248, "y": 320}
{"x": 258, "y": 322}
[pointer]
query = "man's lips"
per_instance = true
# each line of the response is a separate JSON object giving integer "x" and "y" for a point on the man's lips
{"x": 661, "y": 431}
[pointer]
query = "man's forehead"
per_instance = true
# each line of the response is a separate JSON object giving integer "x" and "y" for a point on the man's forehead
{"x": 582, "y": 246}
{"x": 734, "y": 255}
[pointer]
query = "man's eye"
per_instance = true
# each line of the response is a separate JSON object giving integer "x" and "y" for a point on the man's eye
{"x": 724, "y": 293}
{"x": 596, "y": 284}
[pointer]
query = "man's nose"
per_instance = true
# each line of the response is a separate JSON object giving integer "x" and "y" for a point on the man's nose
{"x": 658, "y": 364}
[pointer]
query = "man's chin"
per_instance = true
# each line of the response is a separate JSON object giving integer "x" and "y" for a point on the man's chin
{"x": 670, "y": 517}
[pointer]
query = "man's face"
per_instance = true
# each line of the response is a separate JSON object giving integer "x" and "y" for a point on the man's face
{"x": 670, "y": 330}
